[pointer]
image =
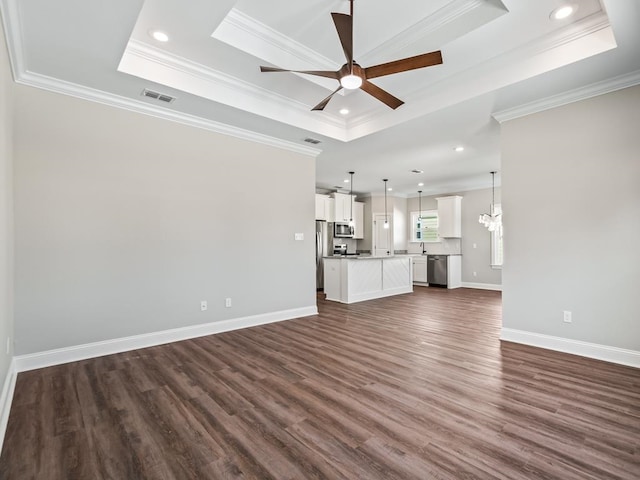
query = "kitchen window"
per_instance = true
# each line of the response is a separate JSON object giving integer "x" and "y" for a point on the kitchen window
{"x": 497, "y": 242}
{"x": 425, "y": 228}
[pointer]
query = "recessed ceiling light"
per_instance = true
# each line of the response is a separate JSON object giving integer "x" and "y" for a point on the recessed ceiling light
{"x": 159, "y": 35}
{"x": 389, "y": 189}
{"x": 563, "y": 12}
{"x": 459, "y": 148}
{"x": 344, "y": 111}
{"x": 346, "y": 180}
{"x": 421, "y": 184}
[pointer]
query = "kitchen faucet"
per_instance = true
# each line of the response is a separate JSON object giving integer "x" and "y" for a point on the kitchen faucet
{"x": 424, "y": 250}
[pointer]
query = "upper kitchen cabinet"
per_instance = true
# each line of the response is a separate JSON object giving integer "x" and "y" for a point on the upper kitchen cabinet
{"x": 324, "y": 208}
{"x": 450, "y": 217}
{"x": 342, "y": 207}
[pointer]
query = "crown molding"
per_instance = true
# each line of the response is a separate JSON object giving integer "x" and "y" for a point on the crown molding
{"x": 86, "y": 93}
{"x": 264, "y": 34}
{"x": 255, "y": 38}
{"x": 10, "y": 17}
{"x": 517, "y": 64}
{"x": 182, "y": 65}
{"x": 261, "y": 33}
{"x": 15, "y": 47}
{"x": 425, "y": 27}
{"x": 595, "y": 89}
{"x": 148, "y": 62}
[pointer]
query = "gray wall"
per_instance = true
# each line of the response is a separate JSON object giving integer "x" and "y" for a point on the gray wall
{"x": 477, "y": 259}
{"x": 6, "y": 210}
{"x": 475, "y": 203}
{"x": 571, "y": 184}
{"x": 125, "y": 222}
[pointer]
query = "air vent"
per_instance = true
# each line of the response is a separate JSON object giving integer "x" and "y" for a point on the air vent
{"x": 157, "y": 96}
{"x": 312, "y": 140}
{"x": 415, "y": 170}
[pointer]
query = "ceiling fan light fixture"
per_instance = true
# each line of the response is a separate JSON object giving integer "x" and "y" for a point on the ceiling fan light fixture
{"x": 351, "y": 82}
{"x": 352, "y": 76}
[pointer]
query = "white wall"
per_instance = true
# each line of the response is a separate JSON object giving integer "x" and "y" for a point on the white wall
{"x": 6, "y": 211}
{"x": 475, "y": 203}
{"x": 571, "y": 191}
{"x": 125, "y": 222}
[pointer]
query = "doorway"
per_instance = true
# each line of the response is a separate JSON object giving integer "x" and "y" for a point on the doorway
{"x": 381, "y": 236}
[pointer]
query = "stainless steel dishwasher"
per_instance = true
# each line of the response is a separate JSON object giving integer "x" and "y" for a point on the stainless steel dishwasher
{"x": 437, "y": 270}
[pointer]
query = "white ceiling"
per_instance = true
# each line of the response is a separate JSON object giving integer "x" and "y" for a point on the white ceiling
{"x": 501, "y": 59}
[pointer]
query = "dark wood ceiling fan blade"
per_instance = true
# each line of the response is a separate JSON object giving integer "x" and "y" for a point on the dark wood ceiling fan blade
{"x": 324, "y": 102}
{"x": 344, "y": 27}
{"x": 411, "y": 63}
{"x": 317, "y": 73}
{"x": 382, "y": 95}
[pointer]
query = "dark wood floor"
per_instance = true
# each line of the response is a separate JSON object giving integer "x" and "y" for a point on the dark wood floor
{"x": 413, "y": 386}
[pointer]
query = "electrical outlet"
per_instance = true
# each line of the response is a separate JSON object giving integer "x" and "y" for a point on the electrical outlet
{"x": 227, "y": 302}
{"x": 566, "y": 316}
{"x": 203, "y": 305}
{"x": 475, "y": 274}
{"x": 299, "y": 236}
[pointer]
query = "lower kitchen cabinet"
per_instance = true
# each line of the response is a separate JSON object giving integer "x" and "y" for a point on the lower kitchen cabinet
{"x": 420, "y": 269}
{"x": 454, "y": 271}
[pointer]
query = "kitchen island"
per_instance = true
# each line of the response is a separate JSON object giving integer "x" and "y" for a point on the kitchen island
{"x": 355, "y": 279}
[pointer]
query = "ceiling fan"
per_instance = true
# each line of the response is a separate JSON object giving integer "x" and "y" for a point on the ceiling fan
{"x": 352, "y": 76}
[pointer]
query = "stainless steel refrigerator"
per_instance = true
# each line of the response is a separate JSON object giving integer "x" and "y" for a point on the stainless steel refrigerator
{"x": 322, "y": 249}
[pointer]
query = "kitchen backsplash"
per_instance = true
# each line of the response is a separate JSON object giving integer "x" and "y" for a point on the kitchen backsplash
{"x": 352, "y": 244}
{"x": 446, "y": 246}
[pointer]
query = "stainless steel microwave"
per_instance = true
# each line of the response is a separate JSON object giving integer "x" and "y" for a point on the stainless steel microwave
{"x": 342, "y": 230}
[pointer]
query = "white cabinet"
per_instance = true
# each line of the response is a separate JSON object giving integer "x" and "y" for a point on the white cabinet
{"x": 342, "y": 207}
{"x": 358, "y": 218}
{"x": 450, "y": 217}
{"x": 322, "y": 202}
{"x": 420, "y": 269}
{"x": 350, "y": 280}
{"x": 330, "y": 209}
{"x": 454, "y": 271}
{"x": 324, "y": 208}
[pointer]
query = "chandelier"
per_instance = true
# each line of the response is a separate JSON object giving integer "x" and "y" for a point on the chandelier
{"x": 493, "y": 220}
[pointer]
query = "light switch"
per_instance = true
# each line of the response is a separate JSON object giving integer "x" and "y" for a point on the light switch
{"x": 299, "y": 236}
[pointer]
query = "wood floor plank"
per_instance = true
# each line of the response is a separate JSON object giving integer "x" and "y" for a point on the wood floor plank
{"x": 415, "y": 386}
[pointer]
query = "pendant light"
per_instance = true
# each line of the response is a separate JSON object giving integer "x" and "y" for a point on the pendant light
{"x": 351, "y": 222}
{"x": 419, "y": 205}
{"x": 491, "y": 220}
{"x": 386, "y": 216}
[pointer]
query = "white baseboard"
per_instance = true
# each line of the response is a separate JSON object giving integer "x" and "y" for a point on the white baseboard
{"x": 6, "y": 398}
{"x": 575, "y": 347}
{"x": 482, "y": 286}
{"x": 97, "y": 349}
